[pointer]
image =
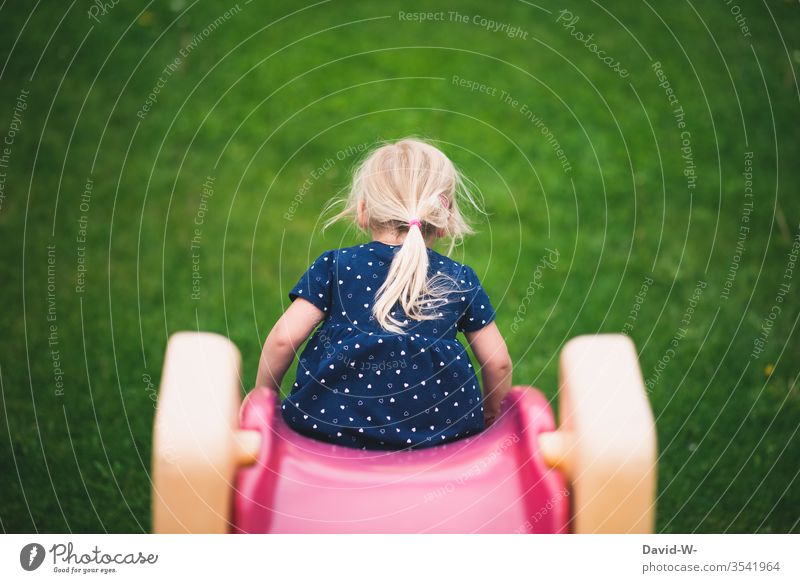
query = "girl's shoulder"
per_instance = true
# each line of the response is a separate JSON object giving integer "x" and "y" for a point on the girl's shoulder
{"x": 449, "y": 266}
{"x": 359, "y": 252}
{"x": 340, "y": 253}
{"x": 363, "y": 255}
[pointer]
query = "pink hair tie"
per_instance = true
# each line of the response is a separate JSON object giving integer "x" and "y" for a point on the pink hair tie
{"x": 413, "y": 222}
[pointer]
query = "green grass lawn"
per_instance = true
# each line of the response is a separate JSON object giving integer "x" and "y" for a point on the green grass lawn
{"x": 102, "y": 199}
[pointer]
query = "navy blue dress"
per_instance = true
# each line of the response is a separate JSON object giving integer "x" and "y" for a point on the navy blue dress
{"x": 359, "y": 385}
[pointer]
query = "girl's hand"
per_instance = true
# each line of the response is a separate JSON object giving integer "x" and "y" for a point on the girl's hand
{"x": 490, "y": 412}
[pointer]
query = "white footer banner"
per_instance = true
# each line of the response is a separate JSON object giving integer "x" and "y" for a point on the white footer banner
{"x": 400, "y": 558}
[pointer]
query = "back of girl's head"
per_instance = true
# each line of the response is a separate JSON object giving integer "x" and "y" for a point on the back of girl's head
{"x": 398, "y": 183}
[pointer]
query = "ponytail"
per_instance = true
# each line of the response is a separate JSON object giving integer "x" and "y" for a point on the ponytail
{"x": 407, "y": 282}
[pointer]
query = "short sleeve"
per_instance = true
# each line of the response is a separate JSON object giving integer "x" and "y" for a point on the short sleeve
{"x": 315, "y": 284}
{"x": 478, "y": 310}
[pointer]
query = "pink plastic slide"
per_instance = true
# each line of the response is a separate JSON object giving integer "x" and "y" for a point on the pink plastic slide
{"x": 496, "y": 481}
{"x": 221, "y": 468}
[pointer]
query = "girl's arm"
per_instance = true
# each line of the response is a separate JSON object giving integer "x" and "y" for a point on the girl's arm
{"x": 288, "y": 334}
{"x": 490, "y": 349}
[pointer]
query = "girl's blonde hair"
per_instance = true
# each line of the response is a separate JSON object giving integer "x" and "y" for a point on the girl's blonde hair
{"x": 398, "y": 183}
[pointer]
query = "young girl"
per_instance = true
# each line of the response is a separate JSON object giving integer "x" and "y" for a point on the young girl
{"x": 385, "y": 369}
